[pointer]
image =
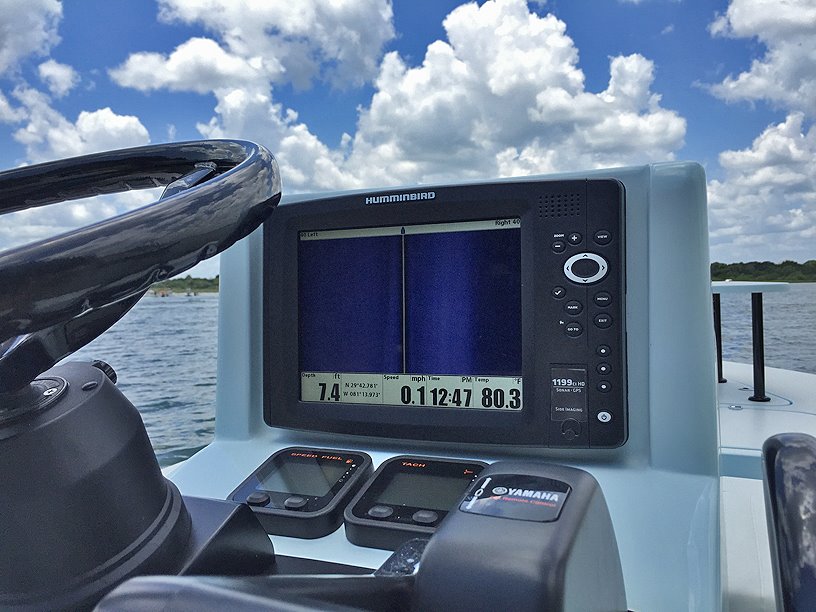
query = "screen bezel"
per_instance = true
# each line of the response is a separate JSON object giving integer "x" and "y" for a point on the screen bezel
{"x": 540, "y": 271}
{"x": 282, "y": 404}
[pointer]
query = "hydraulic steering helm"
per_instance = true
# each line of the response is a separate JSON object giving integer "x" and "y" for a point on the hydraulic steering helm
{"x": 84, "y": 503}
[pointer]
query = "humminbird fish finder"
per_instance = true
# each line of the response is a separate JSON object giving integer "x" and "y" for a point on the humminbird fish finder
{"x": 480, "y": 313}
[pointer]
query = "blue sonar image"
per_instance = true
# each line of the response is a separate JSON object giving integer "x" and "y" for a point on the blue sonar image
{"x": 442, "y": 299}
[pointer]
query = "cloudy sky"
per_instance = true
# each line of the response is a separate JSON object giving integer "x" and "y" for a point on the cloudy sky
{"x": 355, "y": 93}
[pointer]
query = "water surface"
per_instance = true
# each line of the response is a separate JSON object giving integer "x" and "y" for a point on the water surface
{"x": 164, "y": 352}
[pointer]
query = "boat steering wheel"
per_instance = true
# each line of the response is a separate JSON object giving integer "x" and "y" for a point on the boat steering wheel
{"x": 58, "y": 294}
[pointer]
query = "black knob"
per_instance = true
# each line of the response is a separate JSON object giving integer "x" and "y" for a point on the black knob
{"x": 107, "y": 369}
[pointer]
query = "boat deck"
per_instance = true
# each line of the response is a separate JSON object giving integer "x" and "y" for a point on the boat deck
{"x": 744, "y": 426}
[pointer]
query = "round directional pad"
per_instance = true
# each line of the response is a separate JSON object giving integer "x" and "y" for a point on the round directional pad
{"x": 585, "y": 268}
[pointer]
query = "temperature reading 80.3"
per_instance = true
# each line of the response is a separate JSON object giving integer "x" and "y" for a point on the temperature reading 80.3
{"x": 421, "y": 390}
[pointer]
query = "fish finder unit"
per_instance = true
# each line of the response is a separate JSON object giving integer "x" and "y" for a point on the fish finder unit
{"x": 489, "y": 314}
{"x": 301, "y": 492}
{"x": 407, "y": 498}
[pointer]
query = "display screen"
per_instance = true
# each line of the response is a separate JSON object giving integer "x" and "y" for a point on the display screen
{"x": 302, "y": 477}
{"x": 412, "y": 315}
{"x": 423, "y": 491}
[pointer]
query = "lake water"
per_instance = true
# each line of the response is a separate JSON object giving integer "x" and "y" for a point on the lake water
{"x": 790, "y": 327}
{"x": 164, "y": 352}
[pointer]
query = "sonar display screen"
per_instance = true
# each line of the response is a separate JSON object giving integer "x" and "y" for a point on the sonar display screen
{"x": 412, "y": 315}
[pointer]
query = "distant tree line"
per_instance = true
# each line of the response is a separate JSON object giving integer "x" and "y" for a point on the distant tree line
{"x": 787, "y": 271}
{"x": 188, "y": 283}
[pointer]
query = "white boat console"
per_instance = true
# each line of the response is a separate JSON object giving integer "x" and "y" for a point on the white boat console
{"x": 658, "y": 472}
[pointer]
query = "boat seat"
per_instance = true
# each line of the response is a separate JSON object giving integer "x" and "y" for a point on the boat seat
{"x": 789, "y": 463}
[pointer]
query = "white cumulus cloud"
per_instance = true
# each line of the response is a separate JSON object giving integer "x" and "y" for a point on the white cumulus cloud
{"x": 27, "y": 27}
{"x": 9, "y": 113}
{"x": 47, "y": 134}
{"x": 198, "y": 65}
{"x": 339, "y": 40}
{"x": 59, "y": 78}
{"x": 503, "y": 95}
{"x": 767, "y": 200}
{"x": 786, "y": 74}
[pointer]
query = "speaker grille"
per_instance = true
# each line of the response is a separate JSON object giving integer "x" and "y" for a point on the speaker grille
{"x": 560, "y": 205}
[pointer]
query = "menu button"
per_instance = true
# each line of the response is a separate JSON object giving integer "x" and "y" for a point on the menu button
{"x": 602, "y": 299}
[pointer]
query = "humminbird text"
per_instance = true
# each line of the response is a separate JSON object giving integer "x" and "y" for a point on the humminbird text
{"x": 401, "y": 197}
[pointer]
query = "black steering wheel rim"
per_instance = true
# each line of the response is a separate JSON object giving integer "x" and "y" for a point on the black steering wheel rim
{"x": 58, "y": 294}
{"x": 57, "y": 279}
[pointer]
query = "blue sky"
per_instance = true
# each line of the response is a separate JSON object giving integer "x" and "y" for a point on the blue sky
{"x": 362, "y": 93}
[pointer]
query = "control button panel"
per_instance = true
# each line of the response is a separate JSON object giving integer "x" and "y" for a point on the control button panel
{"x": 584, "y": 346}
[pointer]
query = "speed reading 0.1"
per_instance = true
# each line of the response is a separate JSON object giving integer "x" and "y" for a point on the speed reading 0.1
{"x": 420, "y": 390}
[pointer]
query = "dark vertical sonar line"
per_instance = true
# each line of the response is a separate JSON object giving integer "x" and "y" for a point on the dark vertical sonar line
{"x": 404, "y": 306}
